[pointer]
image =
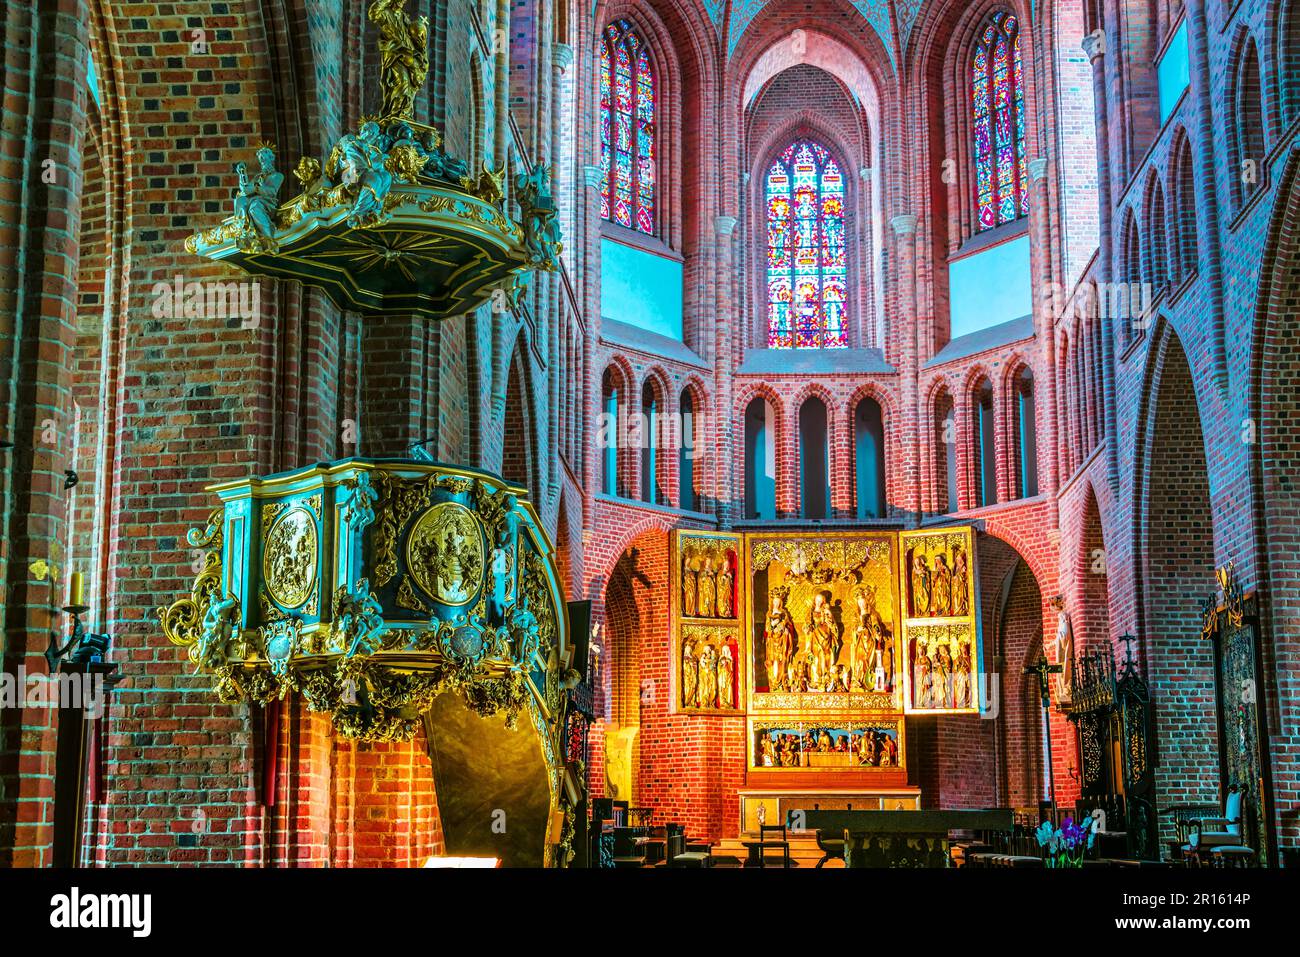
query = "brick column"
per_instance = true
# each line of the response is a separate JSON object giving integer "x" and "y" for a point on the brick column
{"x": 1095, "y": 46}
{"x": 1045, "y": 329}
{"x": 727, "y": 483}
{"x": 41, "y": 161}
{"x": 1206, "y": 186}
{"x": 909, "y": 364}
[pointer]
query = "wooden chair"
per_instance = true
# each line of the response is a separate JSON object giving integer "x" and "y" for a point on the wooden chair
{"x": 782, "y": 843}
{"x": 680, "y": 854}
{"x": 833, "y": 845}
{"x": 1218, "y": 840}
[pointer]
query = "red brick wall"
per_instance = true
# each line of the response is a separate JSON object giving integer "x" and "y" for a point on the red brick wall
{"x": 1170, "y": 466}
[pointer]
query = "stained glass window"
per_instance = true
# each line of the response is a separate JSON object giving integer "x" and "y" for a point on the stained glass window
{"x": 806, "y": 280}
{"x": 627, "y": 129}
{"x": 998, "y": 108}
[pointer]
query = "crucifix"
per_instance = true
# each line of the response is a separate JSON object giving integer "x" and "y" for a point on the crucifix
{"x": 1128, "y": 649}
{"x": 1043, "y": 668}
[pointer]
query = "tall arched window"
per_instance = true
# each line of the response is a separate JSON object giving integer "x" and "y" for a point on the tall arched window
{"x": 608, "y": 437}
{"x": 651, "y": 491}
{"x": 986, "y": 475}
{"x": 1026, "y": 437}
{"x": 760, "y": 459}
{"x": 814, "y": 461}
{"x": 627, "y": 129}
{"x": 686, "y": 452}
{"x": 945, "y": 446}
{"x": 1184, "y": 210}
{"x": 1248, "y": 137}
{"x": 869, "y": 457}
{"x": 998, "y": 111}
{"x": 806, "y": 278}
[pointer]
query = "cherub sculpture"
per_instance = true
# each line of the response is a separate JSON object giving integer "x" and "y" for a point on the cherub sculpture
{"x": 358, "y": 618}
{"x": 218, "y": 626}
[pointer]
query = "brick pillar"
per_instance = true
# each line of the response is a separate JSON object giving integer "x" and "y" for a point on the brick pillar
{"x": 909, "y": 365}
{"x": 1095, "y": 46}
{"x": 728, "y": 487}
{"x": 1045, "y": 383}
{"x": 41, "y": 161}
{"x": 1206, "y": 186}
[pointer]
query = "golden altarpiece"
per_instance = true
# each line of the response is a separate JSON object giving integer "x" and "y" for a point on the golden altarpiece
{"x": 825, "y": 643}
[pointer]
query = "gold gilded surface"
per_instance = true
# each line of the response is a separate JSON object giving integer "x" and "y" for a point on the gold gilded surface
{"x": 444, "y": 552}
{"x": 824, "y": 623}
{"x": 290, "y": 557}
{"x": 940, "y": 640}
{"x": 831, "y": 742}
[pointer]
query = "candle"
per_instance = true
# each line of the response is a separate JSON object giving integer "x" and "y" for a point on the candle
{"x": 77, "y": 590}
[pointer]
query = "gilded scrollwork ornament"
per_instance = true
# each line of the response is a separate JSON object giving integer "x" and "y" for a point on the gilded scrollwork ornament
{"x": 185, "y": 620}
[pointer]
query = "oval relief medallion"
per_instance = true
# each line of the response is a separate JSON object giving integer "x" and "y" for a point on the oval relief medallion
{"x": 289, "y": 560}
{"x": 445, "y": 553}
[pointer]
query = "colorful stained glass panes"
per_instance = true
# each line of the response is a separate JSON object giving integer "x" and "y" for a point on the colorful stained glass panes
{"x": 627, "y": 129}
{"x": 807, "y": 286}
{"x": 998, "y": 113}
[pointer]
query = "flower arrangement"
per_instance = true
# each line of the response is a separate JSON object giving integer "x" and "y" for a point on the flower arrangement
{"x": 1064, "y": 846}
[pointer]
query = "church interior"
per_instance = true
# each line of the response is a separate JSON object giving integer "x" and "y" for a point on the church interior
{"x": 650, "y": 433}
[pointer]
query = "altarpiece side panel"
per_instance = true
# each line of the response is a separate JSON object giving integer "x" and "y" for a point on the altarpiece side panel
{"x": 707, "y": 616}
{"x": 940, "y": 623}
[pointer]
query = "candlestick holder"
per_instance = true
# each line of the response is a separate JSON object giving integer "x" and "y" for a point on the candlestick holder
{"x": 83, "y": 646}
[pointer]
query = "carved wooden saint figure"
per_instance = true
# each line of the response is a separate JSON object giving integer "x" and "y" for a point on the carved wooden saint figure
{"x": 920, "y": 586}
{"x": 1064, "y": 650}
{"x": 941, "y": 588}
{"x": 960, "y": 582}
{"x": 708, "y": 679}
{"x": 725, "y": 603}
{"x": 941, "y": 691}
{"x": 779, "y": 642}
{"x": 921, "y": 676}
{"x": 823, "y": 643}
{"x": 706, "y": 589}
{"x": 726, "y": 676}
{"x": 963, "y": 676}
{"x": 690, "y": 675}
{"x": 688, "y": 588}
